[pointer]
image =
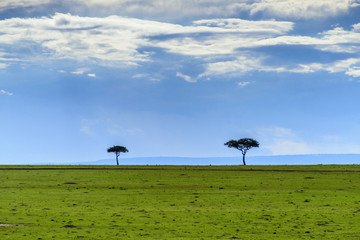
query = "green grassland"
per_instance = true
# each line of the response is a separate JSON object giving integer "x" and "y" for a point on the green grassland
{"x": 180, "y": 202}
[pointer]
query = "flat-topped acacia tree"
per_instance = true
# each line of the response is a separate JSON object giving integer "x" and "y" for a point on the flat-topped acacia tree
{"x": 117, "y": 150}
{"x": 243, "y": 144}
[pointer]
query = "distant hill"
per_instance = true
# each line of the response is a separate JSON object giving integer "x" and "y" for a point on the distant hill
{"x": 309, "y": 159}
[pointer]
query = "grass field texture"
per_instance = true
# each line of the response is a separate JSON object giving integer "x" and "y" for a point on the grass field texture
{"x": 180, "y": 202}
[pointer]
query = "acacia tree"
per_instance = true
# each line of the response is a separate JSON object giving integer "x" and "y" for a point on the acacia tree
{"x": 243, "y": 144}
{"x": 117, "y": 150}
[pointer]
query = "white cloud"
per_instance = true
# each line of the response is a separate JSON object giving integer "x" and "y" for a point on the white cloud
{"x": 308, "y": 68}
{"x": 187, "y": 9}
{"x": 80, "y": 71}
{"x": 156, "y": 9}
{"x": 148, "y": 76}
{"x": 170, "y": 10}
{"x": 6, "y": 60}
{"x": 141, "y": 75}
{"x": 340, "y": 40}
{"x": 3, "y": 65}
{"x": 337, "y": 144}
{"x": 186, "y": 77}
{"x": 342, "y": 65}
{"x": 287, "y": 147}
{"x": 336, "y": 40}
{"x": 222, "y": 36}
{"x": 290, "y": 9}
{"x": 271, "y": 27}
{"x": 356, "y": 27}
{"x": 243, "y": 84}
{"x": 283, "y": 141}
{"x": 350, "y": 67}
{"x": 302, "y": 9}
{"x": 12, "y": 4}
{"x": 63, "y": 36}
{"x": 3, "y": 92}
{"x": 115, "y": 41}
{"x": 241, "y": 64}
{"x": 353, "y": 72}
{"x": 154, "y": 79}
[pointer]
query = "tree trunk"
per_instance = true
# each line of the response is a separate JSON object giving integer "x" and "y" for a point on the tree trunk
{"x": 244, "y": 159}
{"x": 117, "y": 161}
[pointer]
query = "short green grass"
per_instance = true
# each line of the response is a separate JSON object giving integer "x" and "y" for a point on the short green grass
{"x": 180, "y": 202}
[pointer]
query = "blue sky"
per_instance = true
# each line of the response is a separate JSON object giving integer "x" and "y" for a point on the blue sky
{"x": 177, "y": 78}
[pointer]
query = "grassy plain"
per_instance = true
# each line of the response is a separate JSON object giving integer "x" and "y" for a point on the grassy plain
{"x": 180, "y": 202}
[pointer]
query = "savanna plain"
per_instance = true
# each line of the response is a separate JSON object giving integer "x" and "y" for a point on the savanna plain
{"x": 180, "y": 202}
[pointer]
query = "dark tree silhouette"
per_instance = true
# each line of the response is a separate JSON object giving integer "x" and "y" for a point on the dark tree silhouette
{"x": 117, "y": 150}
{"x": 243, "y": 144}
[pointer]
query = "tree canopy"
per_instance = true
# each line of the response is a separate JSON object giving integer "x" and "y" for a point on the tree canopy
{"x": 117, "y": 150}
{"x": 243, "y": 144}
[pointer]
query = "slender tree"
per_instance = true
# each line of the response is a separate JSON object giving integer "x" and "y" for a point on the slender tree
{"x": 243, "y": 144}
{"x": 117, "y": 150}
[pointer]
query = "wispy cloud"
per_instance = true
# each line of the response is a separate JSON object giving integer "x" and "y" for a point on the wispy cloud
{"x": 223, "y": 45}
{"x": 11, "y": 4}
{"x": 243, "y": 84}
{"x": 350, "y": 67}
{"x": 80, "y": 71}
{"x": 141, "y": 75}
{"x": 241, "y": 64}
{"x": 221, "y": 36}
{"x": 161, "y": 9}
{"x": 304, "y": 9}
{"x": 3, "y": 65}
{"x": 115, "y": 40}
{"x": 283, "y": 141}
{"x": 63, "y": 36}
{"x": 288, "y": 147}
{"x": 3, "y": 92}
{"x": 186, "y": 77}
{"x": 155, "y": 78}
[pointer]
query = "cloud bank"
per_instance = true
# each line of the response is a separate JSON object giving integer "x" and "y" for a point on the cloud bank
{"x": 174, "y": 10}
{"x": 223, "y": 45}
